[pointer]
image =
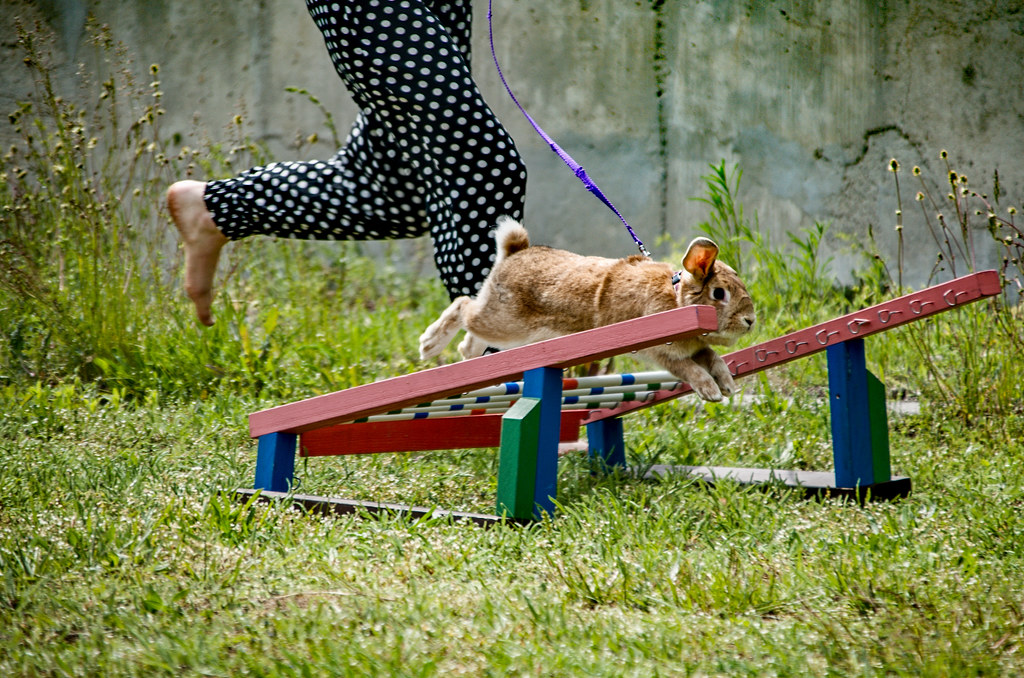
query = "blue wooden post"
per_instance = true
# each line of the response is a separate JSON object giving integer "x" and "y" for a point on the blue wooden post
{"x": 545, "y": 383}
{"x": 605, "y": 442}
{"x": 859, "y": 426}
{"x": 275, "y": 461}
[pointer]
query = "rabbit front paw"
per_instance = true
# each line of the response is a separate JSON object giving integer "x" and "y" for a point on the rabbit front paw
{"x": 719, "y": 371}
{"x": 725, "y": 384}
{"x": 706, "y": 388}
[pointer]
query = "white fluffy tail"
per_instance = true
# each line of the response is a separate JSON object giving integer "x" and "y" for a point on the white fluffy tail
{"x": 510, "y": 237}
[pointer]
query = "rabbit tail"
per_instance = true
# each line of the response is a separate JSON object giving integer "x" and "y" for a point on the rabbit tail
{"x": 510, "y": 237}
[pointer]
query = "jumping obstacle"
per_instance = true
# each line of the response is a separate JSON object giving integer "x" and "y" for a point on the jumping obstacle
{"x": 401, "y": 414}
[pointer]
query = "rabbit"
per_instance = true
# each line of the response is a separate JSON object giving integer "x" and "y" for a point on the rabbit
{"x": 535, "y": 292}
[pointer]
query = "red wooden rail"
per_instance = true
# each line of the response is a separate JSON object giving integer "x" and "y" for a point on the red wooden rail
{"x": 868, "y": 321}
{"x": 440, "y": 382}
{"x": 420, "y": 435}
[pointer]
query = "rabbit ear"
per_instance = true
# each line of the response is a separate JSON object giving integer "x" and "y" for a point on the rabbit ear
{"x": 700, "y": 257}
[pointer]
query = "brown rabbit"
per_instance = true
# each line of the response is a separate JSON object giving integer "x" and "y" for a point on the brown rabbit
{"x": 536, "y": 293}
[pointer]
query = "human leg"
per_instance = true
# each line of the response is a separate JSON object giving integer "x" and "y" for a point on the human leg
{"x": 425, "y": 155}
{"x": 202, "y": 242}
{"x": 406, "y": 63}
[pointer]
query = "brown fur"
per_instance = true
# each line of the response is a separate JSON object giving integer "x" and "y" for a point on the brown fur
{"x": 535, "y": 293}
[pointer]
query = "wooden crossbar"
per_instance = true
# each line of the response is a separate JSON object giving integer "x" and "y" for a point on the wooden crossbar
{"x": 439, "y": 382}
{"x": 857, "y": 325}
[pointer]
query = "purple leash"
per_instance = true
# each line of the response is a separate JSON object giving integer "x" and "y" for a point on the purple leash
{"x": 580, "y": 173}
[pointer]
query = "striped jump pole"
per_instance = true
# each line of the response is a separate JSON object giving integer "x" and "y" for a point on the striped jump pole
{"x": 639, "y": 379}
{"x": 438, "y": 409}
{"x": 583, "y": 386}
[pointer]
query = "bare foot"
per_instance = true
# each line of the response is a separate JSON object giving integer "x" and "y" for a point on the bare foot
{"x": 203, "y": 242}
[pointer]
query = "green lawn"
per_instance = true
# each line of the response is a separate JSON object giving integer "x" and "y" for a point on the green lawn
{"x": 123, "y": 552}
{"x": 123, "y": 435}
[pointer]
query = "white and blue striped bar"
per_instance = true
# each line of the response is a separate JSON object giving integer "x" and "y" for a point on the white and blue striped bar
{"x": 604, "y": 380}
{"x": 596, "y": 390}
{"x": 572, "y": 402}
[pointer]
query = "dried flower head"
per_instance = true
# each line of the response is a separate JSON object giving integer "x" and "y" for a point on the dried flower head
{"x": 894, "y": 165}
{"x": 917, "y": 171}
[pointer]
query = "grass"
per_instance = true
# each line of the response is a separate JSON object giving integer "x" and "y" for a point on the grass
{"x": 122, "y": 551}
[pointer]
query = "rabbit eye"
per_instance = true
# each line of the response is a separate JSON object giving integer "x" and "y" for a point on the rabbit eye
{"x": 719, "y": 293}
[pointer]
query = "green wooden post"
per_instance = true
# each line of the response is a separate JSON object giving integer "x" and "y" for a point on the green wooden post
{"x": 879, "y": 421}
{"x": 517, "y": 462}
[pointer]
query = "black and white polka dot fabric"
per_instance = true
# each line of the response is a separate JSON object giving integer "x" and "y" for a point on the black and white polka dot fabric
{"x": 425, "y": 155}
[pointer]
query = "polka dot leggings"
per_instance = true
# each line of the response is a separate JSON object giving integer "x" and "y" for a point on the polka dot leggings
{"x": 425, "y": 155}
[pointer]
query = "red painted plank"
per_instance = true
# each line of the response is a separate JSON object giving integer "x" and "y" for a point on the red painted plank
{"x": 871, "y": 320}
{"x": 439, "y": 382}
{"x": 419, "y": 435}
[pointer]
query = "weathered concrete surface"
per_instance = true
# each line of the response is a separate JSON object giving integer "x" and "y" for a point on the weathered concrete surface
{"x": 811, "y": 99}
{"x": 216, "y": 59}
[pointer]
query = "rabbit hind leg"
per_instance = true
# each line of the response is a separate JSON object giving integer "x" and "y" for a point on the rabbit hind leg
{"x": 472, "y": 346}
{"x": 440, "y": 332}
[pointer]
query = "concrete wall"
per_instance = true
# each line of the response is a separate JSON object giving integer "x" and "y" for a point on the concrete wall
{"x": 810, "y": 98}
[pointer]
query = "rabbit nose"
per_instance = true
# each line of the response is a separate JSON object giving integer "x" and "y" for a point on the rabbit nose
{"x": 748, "y": 321}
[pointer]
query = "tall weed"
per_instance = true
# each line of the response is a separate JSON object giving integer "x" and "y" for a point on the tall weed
{"x": 965, "y": 362}
{"x": 84, "y": 256}
{"x": 780, "y": 279}
{"x": 968, "y": 361}
{"x": 90, "y": 271}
